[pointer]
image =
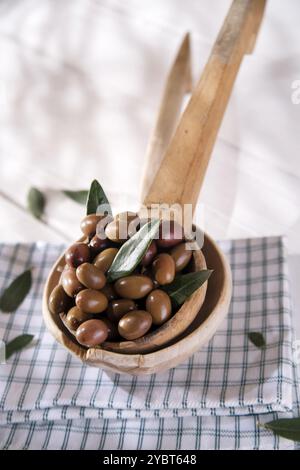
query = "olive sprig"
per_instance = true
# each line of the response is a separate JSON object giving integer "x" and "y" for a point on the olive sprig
{"x": 15, "y": 293}
{"x": 289, "y": 428}
{"x": 184, "y": 285}
{"x": 36, "y": 202}
{"x": 79, "y": 196}
{"x": 132, "y": 251}
{"x": 10, "y": 299}
{"x": 257, "y": 339}
{"x": 17, "y": 344}
{"x": 97, "y": 201}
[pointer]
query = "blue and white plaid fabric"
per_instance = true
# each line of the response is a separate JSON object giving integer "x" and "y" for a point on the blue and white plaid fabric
{"x": 215, "y": 400}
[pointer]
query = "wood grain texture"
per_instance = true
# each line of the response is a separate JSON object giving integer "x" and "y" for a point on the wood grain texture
{"x": 178, "y": 83}
{"x": 183, "y": 168}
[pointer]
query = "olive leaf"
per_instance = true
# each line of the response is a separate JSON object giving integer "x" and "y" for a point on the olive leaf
{"x": 183, "y": 286}
{"x": 257, "y": 339}
{"x": 97, "y": 198}
{"x": 17, "y": 344}
{"x": 133, "y": 250}
{"x": 77, "y": 196}
{"x": 287, "y": 427}
{"x": 35, "y": 202}
{"x": 16, "y": 292}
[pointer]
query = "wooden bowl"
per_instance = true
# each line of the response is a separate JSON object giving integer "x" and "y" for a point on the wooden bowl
{"x": 206, "y": 322}
{"x": 155, "y": 339}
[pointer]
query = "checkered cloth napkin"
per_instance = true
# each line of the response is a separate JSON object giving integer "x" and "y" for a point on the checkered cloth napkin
{"x": 49, "y": 400}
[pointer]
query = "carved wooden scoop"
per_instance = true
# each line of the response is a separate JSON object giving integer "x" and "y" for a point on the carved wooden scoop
{"x": 177, "y": 178}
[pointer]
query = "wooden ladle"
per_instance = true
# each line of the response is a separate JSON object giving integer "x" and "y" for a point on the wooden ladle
{"x": 178, "y": 179}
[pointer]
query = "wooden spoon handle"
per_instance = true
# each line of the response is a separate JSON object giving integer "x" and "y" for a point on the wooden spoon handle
{"x": 178, "y": 83}
{"x": 181, "y": 173}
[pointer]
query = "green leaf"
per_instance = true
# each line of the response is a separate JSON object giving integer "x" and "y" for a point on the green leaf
{"x": 17, "y": 344}
{"x": 35, "y": 202}
{"x": 96, "y": 198}
{"x": 257, "y": 339}
{"x": 288, "y": 428}
{"x": 131, "y": 253}
{"x": 16, "y": 292}
{"x": 77, "y": 196}
{"x": 183, "y": 286}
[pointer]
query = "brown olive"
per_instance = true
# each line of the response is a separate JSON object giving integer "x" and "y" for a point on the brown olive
{"x": 133, "y": 287}
{"x": 170, "y": 234}
{"x": 164, "y": 269}
{"x": 150, "y": 254}
{"x": 135, "y": 324}
{"x": 148, "y": 272}
{"x": 126, "y": 215}
{"x": 90, "y": 276}
{"x": 104, "y": 260}
{"x": 122, "y": 227}
{"x": 75, "y": 317}
{"x": 77, "y": 254}
{"x": 158, "y": 304}
{"x": 117, "y": 309}
{"x": 92, "y": 333}
{"x": 109, "y": 292}
{"x": 97, "y": 244}
{"x": 181, "y": 255}
{"x": 70, "y": 282}
{"x": 113, "y": 332}
{"x": 59, "y": 301}
{"x": 89, "y": 223}
{"x": 100, "y": 230}
{"x": 91, "y": 301}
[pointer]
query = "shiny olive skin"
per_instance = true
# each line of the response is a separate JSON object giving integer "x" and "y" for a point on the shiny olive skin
{"x": 113, "y": 332}
{"x": 122, "y": 227}
{"x": 170, "y": 234}
{"x": 70, "y": 283}
{"x": 89, "y": 224}
{"x": 104, "y": 259}
{"x": 158, "y": 304}
{"x": 91, "y": 301}
{"x": 75, "y": 317}
{"x": 112, "y": 232}
{"x": 92, "y": 333}
{"x": 150, "y": 254}
{"x": 181, "y": 255}
{"x": 135, "y": 324}
{"x": 59, "y": 301}
{"x": 97, "y": 244}
{"x": 133, "y": 287}
{"x": 109, "y": 292}
{"x": 90, "y": 276}
{"x": 77, "y": 254}
{"x": 117, "y": 309}
{"x": 163, "y": 268}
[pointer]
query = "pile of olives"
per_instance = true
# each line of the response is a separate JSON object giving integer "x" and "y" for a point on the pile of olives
{"x": 96, "y": 310}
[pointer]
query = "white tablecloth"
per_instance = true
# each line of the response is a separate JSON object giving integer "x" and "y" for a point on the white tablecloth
{"x": 214, "y": 400}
